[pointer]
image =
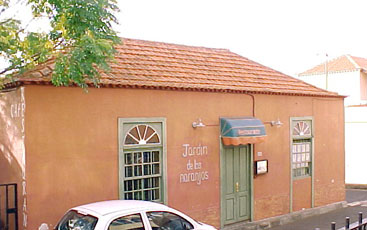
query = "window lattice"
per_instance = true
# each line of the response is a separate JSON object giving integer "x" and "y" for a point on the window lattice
{"x": 142, "y": 175}
{"x": 301, "y": 157}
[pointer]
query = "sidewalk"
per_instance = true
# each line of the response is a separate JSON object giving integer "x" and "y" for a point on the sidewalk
{"x": 357, "y": 202}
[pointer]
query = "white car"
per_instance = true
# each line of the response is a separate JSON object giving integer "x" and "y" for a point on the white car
{"x": 127, "y": 215}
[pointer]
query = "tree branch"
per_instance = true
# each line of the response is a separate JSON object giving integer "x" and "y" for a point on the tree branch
{"x": 5, "y": 21}
{"x": 8, "y": 69}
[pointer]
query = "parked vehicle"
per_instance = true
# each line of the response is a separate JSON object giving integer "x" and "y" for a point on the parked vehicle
{"x": 127, "y": 215}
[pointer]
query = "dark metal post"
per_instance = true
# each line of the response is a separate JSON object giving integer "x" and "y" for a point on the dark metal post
{"x": 1, "y": 224}
{"x": 6, "y": 207}
{"x": 347, "y": 222}
{"x": 16, "y": 205}
{"x": 333, "y": 225}
{"x": 360, "y": 218}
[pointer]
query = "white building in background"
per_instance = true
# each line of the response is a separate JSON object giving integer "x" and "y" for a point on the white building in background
{"x": 347, "y": 75}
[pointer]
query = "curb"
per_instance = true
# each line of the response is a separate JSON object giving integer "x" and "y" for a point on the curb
{"x": 287, "y": 218}
{"x": 356, "y": 203}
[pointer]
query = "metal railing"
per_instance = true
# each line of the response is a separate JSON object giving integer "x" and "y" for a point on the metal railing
{"x": 8, "y": 207}
{"x": 360, "y": 225}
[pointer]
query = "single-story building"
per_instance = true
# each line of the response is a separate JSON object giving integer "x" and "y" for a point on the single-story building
{"x": 206, "y": 131}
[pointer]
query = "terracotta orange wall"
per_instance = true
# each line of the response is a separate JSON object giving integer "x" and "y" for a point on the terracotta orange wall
{"x": 12, "y": 111}
{"x": 72, "y": 147}
{"x": 272, "y": 190}
{"x": 329, "y": 152}
{"x": 10, "y": 137}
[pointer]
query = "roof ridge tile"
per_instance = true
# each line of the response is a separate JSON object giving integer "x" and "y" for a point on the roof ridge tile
{"x": 352, "y": 61}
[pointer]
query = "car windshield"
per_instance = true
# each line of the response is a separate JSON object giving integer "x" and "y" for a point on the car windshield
{"x": 74, "y": 220}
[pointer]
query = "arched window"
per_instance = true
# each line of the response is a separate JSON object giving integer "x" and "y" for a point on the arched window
{"x": 301, "y": 128}
{"x": 141, "y": 159}
{"x": 142, "y": 135}
{"x": 301, "y": 147}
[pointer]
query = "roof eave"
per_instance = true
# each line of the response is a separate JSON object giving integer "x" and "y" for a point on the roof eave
{"x": 329, "y": 72}
{"x": 196, "y": 89}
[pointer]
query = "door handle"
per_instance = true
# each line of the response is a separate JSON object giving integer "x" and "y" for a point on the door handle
{"x": 237, "y": 187}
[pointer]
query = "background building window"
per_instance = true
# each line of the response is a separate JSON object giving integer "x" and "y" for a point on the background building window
{"x": 141, "y": 161}
{"x": 301, "y": 151}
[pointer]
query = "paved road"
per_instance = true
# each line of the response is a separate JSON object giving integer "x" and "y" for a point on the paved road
{"x": 353, "y": 195}
{"x": 323, "y": 222}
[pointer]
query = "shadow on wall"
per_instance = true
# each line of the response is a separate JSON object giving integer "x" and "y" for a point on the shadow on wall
{"x": 12, "y": 109}
{"x": 12, "y": 149}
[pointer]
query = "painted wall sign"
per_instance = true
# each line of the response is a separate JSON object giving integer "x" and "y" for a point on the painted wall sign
{"x": 194, "y": 165}
{"x": 12, "y": 143}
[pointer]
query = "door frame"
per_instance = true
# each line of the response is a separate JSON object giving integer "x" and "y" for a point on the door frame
{"x": 222, "y": 189}
{"x": 291, "y": 120}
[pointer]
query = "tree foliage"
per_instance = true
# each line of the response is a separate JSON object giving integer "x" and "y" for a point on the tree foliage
{"x": 81, "y": 40}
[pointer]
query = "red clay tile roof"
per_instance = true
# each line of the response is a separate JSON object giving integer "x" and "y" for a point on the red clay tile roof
{"x": 343, "y": 63}
{"x": 157, "y": 65}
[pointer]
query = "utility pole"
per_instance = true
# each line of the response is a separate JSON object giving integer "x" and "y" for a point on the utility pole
{"x": 326, "y": 72}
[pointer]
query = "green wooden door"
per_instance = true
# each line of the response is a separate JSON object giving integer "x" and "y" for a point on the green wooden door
{"x": 236, "y": 184}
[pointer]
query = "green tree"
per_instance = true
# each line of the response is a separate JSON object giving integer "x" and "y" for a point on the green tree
{"x": 81, "y": 40}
